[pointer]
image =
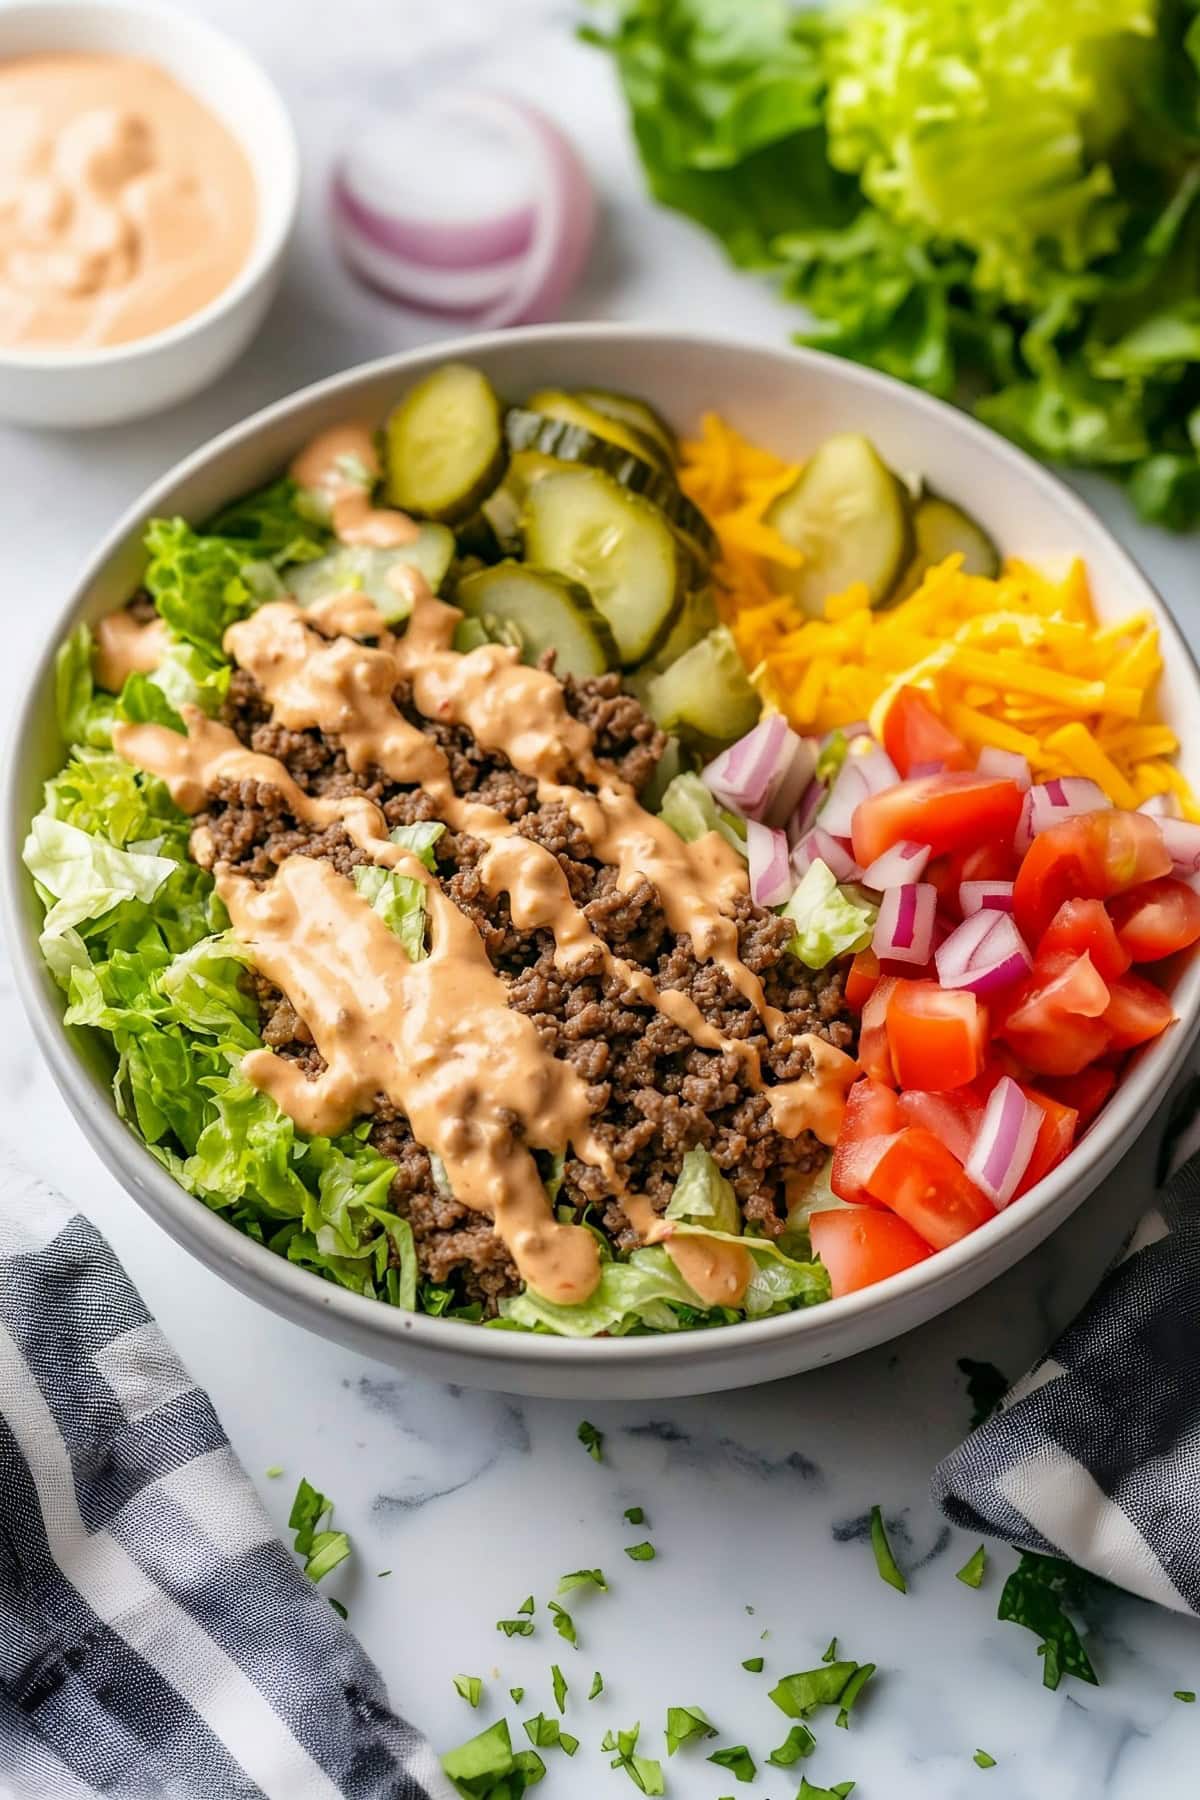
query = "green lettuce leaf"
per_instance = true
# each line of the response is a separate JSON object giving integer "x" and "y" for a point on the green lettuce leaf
{"x": 779, "y": 1282}
{"x": 829, "y": 922}
{"x": 691, "y": 810}
{"x": 639, "y": 1290}
{"x": 702, "y": 1196}
{"x": 86, "y": 877}
{"x": 420, "y": 839}
{"x": 84, "y": 716}
{"x": 272, "y": 525}
{"x": 400, "y": 902}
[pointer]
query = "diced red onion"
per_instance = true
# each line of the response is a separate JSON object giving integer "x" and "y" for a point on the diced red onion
{"x": 904, "y": 928}
{"x": 903, "y": 863}
{"x": 1005, "y": 765}
{"x": 1161, "y": 806}
{"x": 918, "y": 769}
{"x": 770, "y": 873}
{"x": 873, "y": 764}
{"x": 985, "y": 953}
{"x": 741, "y": 777}
{"x": 1182, "y": 840}
{"x": 503, "y": 237}
{"x": 985, "y": 896}
{"x": 796, "y": 768}
{"x": 845, "y": 797}
{"x": 810, "y": 804}
{"x": 1063, "y": 797}
{"x": 1004, "y": 1143}
{"x": 817, "y": 846}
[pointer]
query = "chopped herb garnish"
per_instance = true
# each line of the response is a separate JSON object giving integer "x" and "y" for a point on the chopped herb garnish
{"x": 1034, "y": 1596}
{"x": 322, "y": 1550}
{"x": 986, "y": 1388}
{"x": 483, "y": 1761}
{"x": 559, "y": 1683}
{"x": 754, "y": 1664}
{"x": 470, "y": 1687}
{"x": 564, "y": 1624}
{"x": 830, "y": 1653}
{"x": 568, "y": 1743}
{"x": 685, "y": 1723}
{"x": 983, "y": 1761}
{"x": 885, "y": 1562}
{"x": 515, "y": 1627}
{"x": 645, "y": 1774}
{"x": 338, "y": 1608}
{"x": 1186, "y": 1695}
{"x": 798, "y": 1742}
{"x": 591, "y": 1439}
{"x": 381, "y": 1573}
{"x": 546, "y": 1734}
{"x": 597, "y": 1687}
{"x": 737, "y": 1760}
{"x": 526, "y": 1605}
{"x": 971, "y": 1573}
{"x": 634, "y": 1515}
{"x": 641, "y": 1552}
{"x": 809, "y": 1792}
{"x": 583, "y": 1578}
{"x": 275, "y": 1470}
{"x": 852, "y": 1690}
{"x": 800, "y": 1695}
{"x": 518, "y": 1694}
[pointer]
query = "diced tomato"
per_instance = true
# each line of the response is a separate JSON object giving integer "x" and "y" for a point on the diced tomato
{"x": 862, "y": 978}
{"x": 1083, "y": 928}
{"x": 874, "y": 1051}
{"x": 953, "y": 811}
{"x": 913, "y": 734}
{"x": 1090, "y": 858}
{"x": 869, "y": 1122}
{"x": 983, "y": 862}
{"x": 954, "y": 1116}
{"x": 1054, "y": 1017}
{"x": 1086, "y": 1093}
{"x": 1056, "y": 1134}
{"x": 1156, "y": 919}
{"x": 862, "y": 1246}
{"x": 918, "y": 1178}
{"x": 1137, "y": 1011}
{"x": 936, "y": 1035}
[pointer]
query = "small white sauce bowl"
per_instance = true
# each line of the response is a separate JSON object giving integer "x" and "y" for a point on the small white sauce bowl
{"x": 111, "y": 383}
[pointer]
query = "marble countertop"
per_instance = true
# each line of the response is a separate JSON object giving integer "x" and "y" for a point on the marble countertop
{"x": 756, "y": 1501}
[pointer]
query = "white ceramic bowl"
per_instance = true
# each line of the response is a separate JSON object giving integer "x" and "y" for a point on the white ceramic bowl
{"x": 789, "y": 400}
{"x": 125, "y": 381}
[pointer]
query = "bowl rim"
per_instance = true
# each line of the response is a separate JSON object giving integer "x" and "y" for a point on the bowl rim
{"x": 269, "y": 239}
{"x": 301, "y": 1293}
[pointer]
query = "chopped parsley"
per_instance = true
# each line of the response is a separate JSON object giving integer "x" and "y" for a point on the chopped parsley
{"x": 644, "y": 1772}
{"x": 641, "y": 1552}
{"x": 488, "y": 1764}
{"x": 737, "y": 1760}
{"x": 1186, "y": 1695}
{"x": 591, "y": 1439}
{"x": 380, "y": 1573}
{"x": 470, "y": 1687}
{"x": 800, "y": 1695}
{"x": 830, "y": 1652}
{"x": 634, "y": 1515}
{"x": 754, "y": 1665}
{"x": 559, "y": 1683}
{"x": 986, "y": 1388}
{"x": 518, "y": 1694}
{"x": 885, "y": 1561}
{"x": 548, "y": 1734}
{"x": 1035, "y": 1596}
{"x": 852, "y": 1690}
{"x": 583, "y": 1578}
{"x": 338, "y": 1608}
{"x": 564, "y": 1624}
{"x": 971, "y": 1573}
{"x": 809, "y": 1792}
{"x": 685, "y": 1723}
{"x": 526, "y": 1605}
{"x": 597, "y": 1687}
{"x": 982, "y": 1760}
{"x": 798, "y": 1742}
{"x": 322, "y": 1550}
{"x": 515, "y": 1627}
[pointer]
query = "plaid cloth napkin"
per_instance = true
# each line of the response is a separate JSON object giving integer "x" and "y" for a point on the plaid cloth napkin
{"x": 1095, "y": 1454}
{"x": 156, "y": 1638}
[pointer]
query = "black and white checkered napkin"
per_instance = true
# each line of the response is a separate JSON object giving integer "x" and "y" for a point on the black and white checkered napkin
{"x": 1095, "y": 1454}
{"x": 156, "y": 1638}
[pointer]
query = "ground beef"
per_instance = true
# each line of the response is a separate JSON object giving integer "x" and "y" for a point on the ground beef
{"x": 654, "y": 1094}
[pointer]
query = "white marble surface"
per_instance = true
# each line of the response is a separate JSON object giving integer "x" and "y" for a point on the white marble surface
{"x": 474, "y": 1500}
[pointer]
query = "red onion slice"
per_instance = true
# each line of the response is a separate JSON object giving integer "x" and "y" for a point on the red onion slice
{"x": 904, "y": 928}
{"x": 743, "y": 775}
{"x": 897, "y": 867}
{"x": 845, "y": 797}
{"x": 985, "y": 896}
{"x": 810, "y": 804}
{"x": 1004, "y": 1143}
{"x": 1064, "y": 797}
{"x": 818, "y": 846}
{"x": 1006, "y": 765}
{"x": 503, "y": 240}
{"x": 1182, "y": 841}
{"x": 873, "y": 764}
{"x": 795, "y": 776}
{"x": 985, "y": 953}
{"x": 771, "y": 878}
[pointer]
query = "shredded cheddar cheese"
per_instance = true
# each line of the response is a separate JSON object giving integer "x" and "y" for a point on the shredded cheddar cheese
{"x": 1019, "y": 662}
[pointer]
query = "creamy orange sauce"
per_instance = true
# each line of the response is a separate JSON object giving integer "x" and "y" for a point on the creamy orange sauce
{"x": 436, "y": 1036}
{"x": 125, "y": 204}
{"x": 125, "y": 646}
{"x": 342, "y": 465}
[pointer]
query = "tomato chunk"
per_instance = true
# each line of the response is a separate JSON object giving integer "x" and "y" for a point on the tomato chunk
{"x": 918, "y": 1178}
{"x": 870, "y": 1120}
{"x": 1054, "y": 1019}
{"x": 1137, "y": 1011}
{"x": 913, "y": 734}
{"x": 953, "y": 1116}
{"x": 1089, "y": 858}
{"x": 862, "y": 978}
{"x": 1083, "y": 928}
{"x": 1157, "y": 919}
{"x": 1056, "y": 1134}
{"x": 1086, "y": 1093}
{"x": 936, "y": 1035}
{"x": 948, "y": 812}
{"x": 874, "y": 1051}
{"x": 863, "y": 1246}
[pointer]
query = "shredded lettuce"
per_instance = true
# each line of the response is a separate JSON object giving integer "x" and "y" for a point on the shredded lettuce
{"x": 690, "y": 809}
{"x": 86, "y": 877}
{"x": 400, "y": 902}
{"x": 84, "y": 717}
{"x": 830, "y": 922}
{"x": 702, "y": 1196}
{"x": 420, "y": 839}
{"x": 635, "y": 1292}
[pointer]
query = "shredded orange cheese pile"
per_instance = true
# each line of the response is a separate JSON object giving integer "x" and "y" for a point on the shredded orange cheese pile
{"x": 1020, "y": 662}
